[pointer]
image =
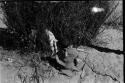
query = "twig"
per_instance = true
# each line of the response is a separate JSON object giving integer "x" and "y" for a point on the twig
{"x": 113, "y": 78}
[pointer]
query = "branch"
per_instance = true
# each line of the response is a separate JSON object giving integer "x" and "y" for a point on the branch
{"x": 113, "y": 78}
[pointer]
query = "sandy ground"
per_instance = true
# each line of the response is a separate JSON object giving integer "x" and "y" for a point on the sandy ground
{"x": 100, "y": 67}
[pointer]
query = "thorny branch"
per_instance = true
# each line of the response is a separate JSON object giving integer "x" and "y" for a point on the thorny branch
{"x": 84, "y": 60}
{"x": 21, "y": 77}
{"x": 99, "y": 73}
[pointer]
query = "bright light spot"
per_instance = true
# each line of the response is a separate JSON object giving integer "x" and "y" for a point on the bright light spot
{"x": 96, "y": 9}
{"x": 10, "y": 60}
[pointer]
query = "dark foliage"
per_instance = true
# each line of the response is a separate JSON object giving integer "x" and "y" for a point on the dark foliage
{"x": 72, "y": 23}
